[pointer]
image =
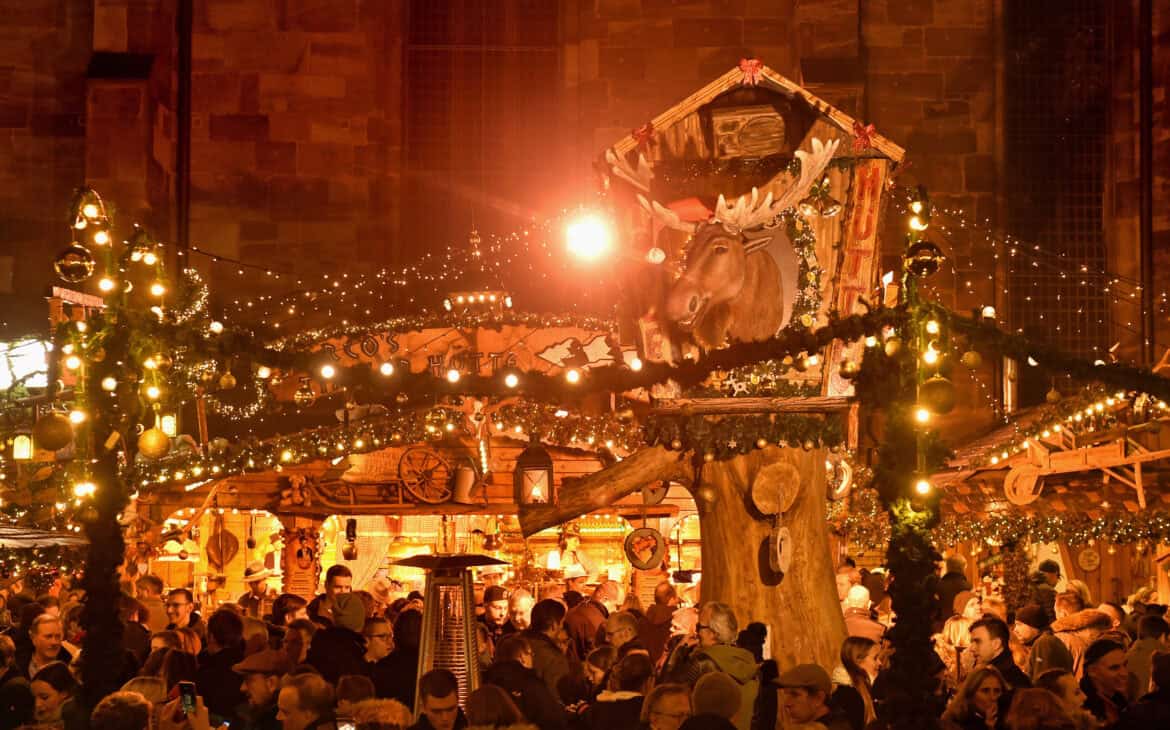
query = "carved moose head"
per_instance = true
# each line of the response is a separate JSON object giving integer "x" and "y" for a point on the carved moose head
{"x": 740, "y": 277}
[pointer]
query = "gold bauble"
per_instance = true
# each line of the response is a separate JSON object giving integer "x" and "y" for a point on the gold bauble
{"x": 893, "y": 346}
{"x": 971, "y": 360}
{"x": 154, "y": 444}
{"x": 52, "y": 432}
{"x": 1052, "y": 396}
{"x": 849, "y": 369}
{"x": 761, "y": 443}
{"x": 227, "y": 381}
{"x": 676, "y": 444}
{"x": 923, "y": 258}
{"x": 938, "y": 394}
{"x": 75, "y": 264}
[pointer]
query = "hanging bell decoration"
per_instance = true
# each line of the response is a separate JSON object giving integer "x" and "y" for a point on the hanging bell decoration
{"x": 938, "y": 394}
{"x": 923, "y": 258}
{"x": 154, "y": 443}
{"x": 53, "y": 431}
{"x": 819, "y": 203}
{"x": 75, "y": 264}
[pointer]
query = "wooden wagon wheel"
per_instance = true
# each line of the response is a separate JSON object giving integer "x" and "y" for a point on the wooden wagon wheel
{"x": 425, "y": 474}
{"x": 1020, "y": 486}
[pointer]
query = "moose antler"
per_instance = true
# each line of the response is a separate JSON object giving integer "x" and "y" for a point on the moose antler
{"x": 747, "y": 213}
{"x": 639, "y": 176}
{"x": 666, "y": 216}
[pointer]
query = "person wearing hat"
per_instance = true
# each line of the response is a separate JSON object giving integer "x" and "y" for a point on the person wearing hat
{"x": 716, "y": 693}
{"x": 1043, "y": 586}
{"x": 257, "y": 602}
{"x": 576, "y": 578}
{"x": 1106, "y": 681}
{"x": 495, "y": 611}
{"x": 261, "y": 674}
{"x": 804, "y": 696}
{"x": 951, "y": 584}
{"x": 340, "y": 648}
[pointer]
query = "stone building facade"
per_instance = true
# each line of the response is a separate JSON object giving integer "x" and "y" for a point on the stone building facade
{"x": 328, "y": 132}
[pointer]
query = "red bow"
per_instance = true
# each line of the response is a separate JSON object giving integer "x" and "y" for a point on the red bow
{"x": 751, "y": 67}
{"x": 644, "y": 135}
{"x": 863, "y": 136}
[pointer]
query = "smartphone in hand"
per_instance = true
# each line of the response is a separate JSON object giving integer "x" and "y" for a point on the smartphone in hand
{"x": 187, "y": 698}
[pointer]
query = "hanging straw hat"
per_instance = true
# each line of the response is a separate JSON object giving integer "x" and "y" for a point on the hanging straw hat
{"x": 256, "y": 571}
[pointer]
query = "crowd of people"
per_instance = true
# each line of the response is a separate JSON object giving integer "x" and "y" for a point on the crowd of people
{"x": 579, "y": 658}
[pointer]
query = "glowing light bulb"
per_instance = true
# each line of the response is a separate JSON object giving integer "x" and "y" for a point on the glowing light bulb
{"x": 386, "y": 369}
{"x": 90, "y": 210}
{"x": 453, "y": 376}
{"x": 109, "y": 383}
{"x": 511, "y": 380}
{"x": 101, "y": 238}
{"x": 923, "y": 487}
{"x": 930, "y": 356}
{"x": 871, "y": 341}
{"x": 73, "y": 362}
{"x": 922, "y": 414}
{"x": 157, "y": 289}
{"x": 573, "y": 375}
{"x": 107, "y": 284}
{"x": 328, "y": 371}
{"x": 264, "y": 372}
{"x": 655, "y": 255}
{"x": 636, "y": 364}
{"x": 215, "y": 327}
{"x": 84, "y": 489}
{"x": 286, "y": 456}
{"x": 76, "y": 417}
{"x": 153, "y": 392}
{"x": 932, "y": 327}
{"x": 589, "y": 237}
{"x": 149, "y": 258}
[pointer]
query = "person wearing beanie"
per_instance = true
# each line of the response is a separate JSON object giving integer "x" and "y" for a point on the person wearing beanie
{"x": 1106, "y": 681}
{"x": 716, "y": 693}
{"x": 495, "y": 611}
{"x": 952, "y": 583}
{"x": 340, "y": 649}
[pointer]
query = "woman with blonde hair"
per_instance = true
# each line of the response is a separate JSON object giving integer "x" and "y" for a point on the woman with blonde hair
{"x": 853, "y": 679}
{"x": 976, "y": 706}
{"x": 1038, "y": 709}
{"x": 381, "y": 715}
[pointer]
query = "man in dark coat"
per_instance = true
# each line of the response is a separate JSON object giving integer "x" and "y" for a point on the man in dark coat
{"x": 621, "y": 706}
{"x": 394, "y": 675}
{"x": 583, "y": 622}
{"x": 1106, "y": 681}
{"x": 952, "y": 583}
{"x": 495, "y": 611}
{"x": 438, "y": 694}
{"x": 262, "y": 672}
{"x": 340, "y": 649}
{"x": 218, "y": 684}
{"x": 990, "y": 643}
{"x": 512, "y": 672}
{"x": 548, "y": 661}
{"x": 654, "y": 627}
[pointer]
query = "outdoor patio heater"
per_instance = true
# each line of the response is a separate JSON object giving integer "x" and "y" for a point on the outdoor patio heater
{"x": 448, "y": 628}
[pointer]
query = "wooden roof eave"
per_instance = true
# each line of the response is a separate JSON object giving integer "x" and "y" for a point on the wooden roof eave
{"x": 769, "y": 78}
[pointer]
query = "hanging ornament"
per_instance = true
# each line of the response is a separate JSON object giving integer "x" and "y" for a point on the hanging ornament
{"x": 938, "y": 394}
{"x": 227, "y": 381}
{"x": 154, "y": 444}
{"x": 849, "y": 369}
{"x": 53, "y": 431}
{"x": 819, "y": 203}
{"x": 893, "y": 346}
{"x": 971, "y": 360}
{"x": 676, "y": 444}
{"x": 75, "y": 264}
{"x": 1053, "y": 395}
{"x": 923, "y": 258}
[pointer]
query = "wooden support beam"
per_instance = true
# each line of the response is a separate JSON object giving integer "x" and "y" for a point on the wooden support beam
{"x": 733, "y": 406}
{"x": 604, "y": 488}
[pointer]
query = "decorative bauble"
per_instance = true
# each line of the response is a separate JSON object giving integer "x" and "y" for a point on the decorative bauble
{"x": 923, "y": 258}
{"x": 938, "y": 394}
{"x": 154, "y": 444}
{"x": 971, "y": 360}
{"x": 75, "y": 264}
{"x": 1052, "y": 396}
{"x": 709, "y": 457}
{"x": 893, "y": 346}
{"x": 849, "y": 369}
{"x": 227, "y": 381}
{"x": 761, "y": 443}
{"x": 676, "y": 444}
{"x": 707, "y": 495}
{"x": 52, "y": 432}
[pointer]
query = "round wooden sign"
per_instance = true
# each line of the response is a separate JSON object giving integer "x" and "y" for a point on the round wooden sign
{"x": 780, "y": 551}
{"x": 775, "y": 488}
{"x": 1089, "y": 559}
{"x": 653, "y": 494}
{"x": 645, "y": 548}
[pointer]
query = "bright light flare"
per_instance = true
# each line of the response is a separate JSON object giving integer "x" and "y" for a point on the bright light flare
{"x": 589, "y": 237}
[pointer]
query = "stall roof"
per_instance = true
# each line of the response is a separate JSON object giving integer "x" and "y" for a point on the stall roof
{"x": 24, "y": 537}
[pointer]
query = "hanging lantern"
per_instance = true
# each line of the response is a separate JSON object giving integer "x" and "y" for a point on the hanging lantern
{"x": 923, "y": 258}
{"x": 53, "y": 431}
{"x": 75, "y": 264}
{"x": 154, "y": 444}
{"x": 533, "y": 476}
{"x": 938, "y": 394}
